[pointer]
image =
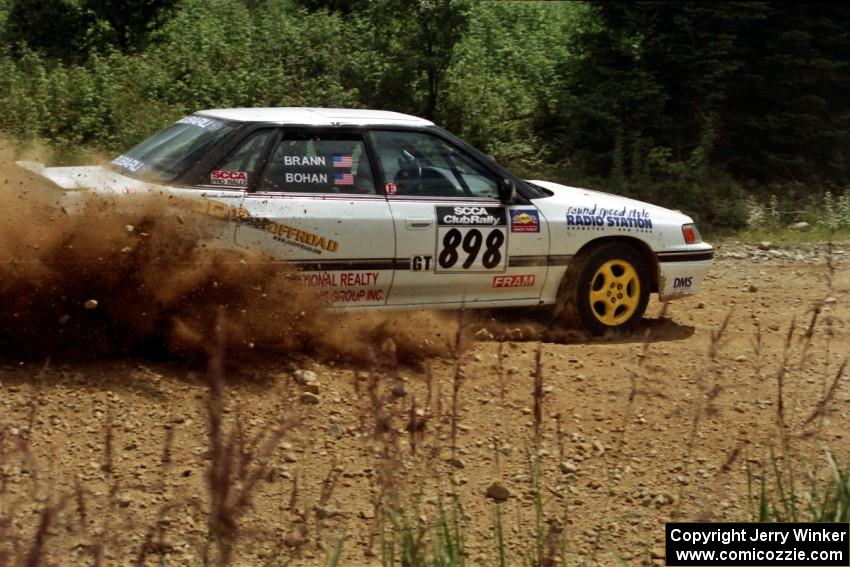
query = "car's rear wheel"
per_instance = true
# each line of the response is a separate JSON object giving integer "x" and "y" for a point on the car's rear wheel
{"x": 606, "y": 289}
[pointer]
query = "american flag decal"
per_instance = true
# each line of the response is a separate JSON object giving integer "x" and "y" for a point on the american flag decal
{"x": 340, "y": 160}
{"x": 343, "y": 178}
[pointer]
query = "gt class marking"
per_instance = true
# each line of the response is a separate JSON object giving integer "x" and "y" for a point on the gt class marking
{"x": 525, "y": 280}
{"x": 420, "y": 263}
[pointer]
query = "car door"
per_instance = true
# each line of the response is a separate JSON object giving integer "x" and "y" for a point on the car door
{"x": 220, "y": 192}
{"x": 316, "y": 205}
{"x": 455, "y": 242}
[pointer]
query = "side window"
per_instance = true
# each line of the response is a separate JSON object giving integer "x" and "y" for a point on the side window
{"x": 238, "y": 169}
{"x": 317, "y": 162}
{"x": 420, "y": 164}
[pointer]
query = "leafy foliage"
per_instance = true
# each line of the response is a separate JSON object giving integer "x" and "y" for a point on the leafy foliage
{"x": 694, "y": 105}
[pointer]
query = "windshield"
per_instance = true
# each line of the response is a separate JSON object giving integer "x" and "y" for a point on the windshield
{"x": 166, "y": 154}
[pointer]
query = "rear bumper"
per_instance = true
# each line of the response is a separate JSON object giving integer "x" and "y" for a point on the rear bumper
{"x": 681, "y": 273}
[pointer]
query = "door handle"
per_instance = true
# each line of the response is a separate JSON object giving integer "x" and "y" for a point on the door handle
{"x": 418, "y": 223}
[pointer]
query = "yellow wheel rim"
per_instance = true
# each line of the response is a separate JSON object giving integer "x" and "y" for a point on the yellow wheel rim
{"x": 614, "y": 292}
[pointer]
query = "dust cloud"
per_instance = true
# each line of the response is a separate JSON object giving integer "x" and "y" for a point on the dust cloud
{"x": 147, "y": 277}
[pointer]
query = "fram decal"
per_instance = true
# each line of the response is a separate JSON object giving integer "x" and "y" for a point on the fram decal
{"x": 683, "y": 282}
{"x": 230, "y": 178}
{"x": 525, "y": 220}
{"x": 523, "y": 280}
{"x": 471, "y": 216}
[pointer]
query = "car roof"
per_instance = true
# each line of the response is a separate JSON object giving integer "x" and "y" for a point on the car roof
{"x": 317, "y": 116}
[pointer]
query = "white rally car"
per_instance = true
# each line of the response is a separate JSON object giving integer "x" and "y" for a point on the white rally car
{"x": 382, "y": 210}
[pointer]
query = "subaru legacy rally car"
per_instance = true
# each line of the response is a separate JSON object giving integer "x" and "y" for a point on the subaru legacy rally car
{"x": 382, "y": 210}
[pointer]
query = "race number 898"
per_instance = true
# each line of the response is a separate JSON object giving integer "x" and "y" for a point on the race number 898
{"x": 472, "y": 248}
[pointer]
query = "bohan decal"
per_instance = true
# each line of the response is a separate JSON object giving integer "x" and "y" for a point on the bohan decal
{"x": 525, "y": 220}
{"x": 598, "y": 218}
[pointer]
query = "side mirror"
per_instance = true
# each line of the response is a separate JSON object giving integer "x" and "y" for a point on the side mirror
{"x": 507, "y": 191}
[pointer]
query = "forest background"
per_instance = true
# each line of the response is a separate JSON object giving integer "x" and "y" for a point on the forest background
{"x": 737, "y": 113}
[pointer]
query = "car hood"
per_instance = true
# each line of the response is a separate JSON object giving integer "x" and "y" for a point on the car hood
{"x": 566, "y": 196}
{"x": 85, "y": 177}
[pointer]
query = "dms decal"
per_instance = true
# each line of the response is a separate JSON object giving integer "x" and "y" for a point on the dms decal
{"x": 597, "y": 218}
{"x": 471, "y": 216}
{"x": 229, "y": 178}
{"x": 525, "y": 220}
{"x": 683, "y": 283}
{"x": 526, "y": 280}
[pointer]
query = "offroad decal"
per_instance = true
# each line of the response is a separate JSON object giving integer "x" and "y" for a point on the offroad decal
{"x": 525, "y": 220}
{"x": 229, "y": 178}
{"x": 471, "y": 239}
{"x": 292, "y": 236}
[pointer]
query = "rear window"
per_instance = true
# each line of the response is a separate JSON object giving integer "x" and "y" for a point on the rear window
{"x": 168, "y": 153}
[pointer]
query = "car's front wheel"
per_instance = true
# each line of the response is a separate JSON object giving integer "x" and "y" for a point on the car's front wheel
{"x": 606, "y": 289}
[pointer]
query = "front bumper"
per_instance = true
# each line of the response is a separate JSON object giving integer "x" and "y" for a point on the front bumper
{"x": 681, "y": 273}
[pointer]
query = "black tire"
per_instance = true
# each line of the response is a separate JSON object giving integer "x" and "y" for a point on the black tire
{"x": 605, "y": 289}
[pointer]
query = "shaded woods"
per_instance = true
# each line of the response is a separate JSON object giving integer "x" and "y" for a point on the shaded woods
{"x": 700, "y": 106}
